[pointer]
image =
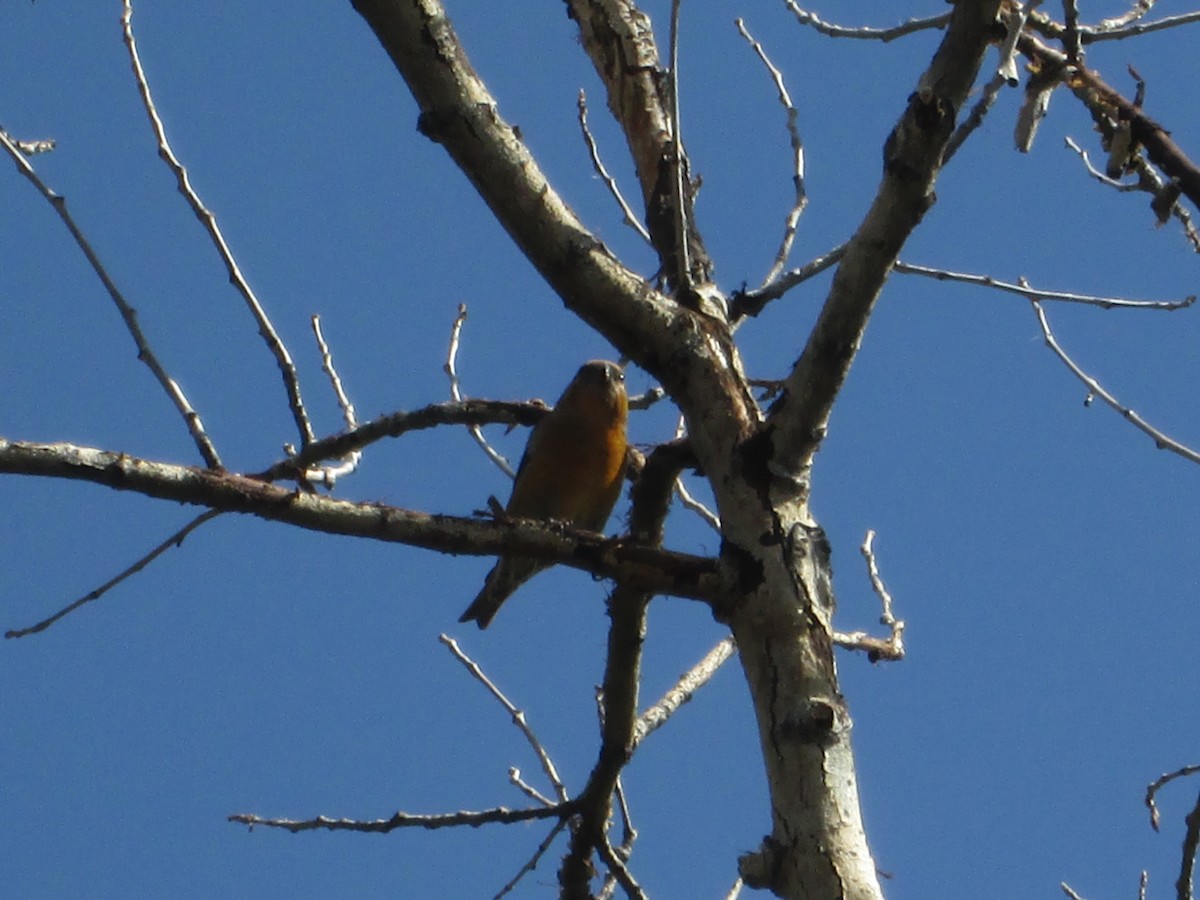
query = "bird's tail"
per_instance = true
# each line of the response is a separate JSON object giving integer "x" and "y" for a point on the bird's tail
{"x": 506, "y": 576}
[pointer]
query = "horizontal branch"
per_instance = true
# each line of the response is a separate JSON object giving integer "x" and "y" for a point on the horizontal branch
{"x": 636, "y": 565}
{"x": 500, "y": 815}
{"x": 457, "y": 412}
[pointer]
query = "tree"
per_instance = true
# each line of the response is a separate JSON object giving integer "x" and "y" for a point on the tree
{"x": 770, "y": 582}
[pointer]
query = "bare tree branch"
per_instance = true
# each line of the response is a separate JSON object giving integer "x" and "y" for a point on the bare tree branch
{"x": 500, "y": 815}
{"x": 865, "y": 32}
{"x": 628, "y": 215}
{"x": 1025, "y": 291}
{"x": 801, "y": 195}
{"x": 128, "y": 314}
{"x": 647, "y": 568}
{"x": 1161, "y": 441}
{"x": 517, "y": 715}
{"x": 912, "y": 159}
{"x": 450, "y": 367}
{"x": 282, "y": 358}
{"x": 174, "y": 540}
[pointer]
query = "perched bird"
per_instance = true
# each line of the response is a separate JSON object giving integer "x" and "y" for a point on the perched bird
{"x": 572, "y": 472}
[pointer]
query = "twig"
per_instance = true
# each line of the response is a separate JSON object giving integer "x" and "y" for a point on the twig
{"x": 33, "y": 148}
{"x": 329, "y": 474}
{"x": 1161, "y": 441}
{"x": 1024, "y": 290}
{"x": 514, "y": 776}
{"x": 1114, "y": 183}
{"x": 620, "y": 871}
{"x": 451, "y": 370}
{"x": 628, "y": 832}
{"x": 978, "y": 113}
{"x": 518, "y": 716}
{"x": 710, "y": 518}
{"x": 497, "y": 815}
{"x": 630, "y": 219}
{"x": 647, "y": 399}
{"x": 282, "y": 358}
{"x": 683, "y": 691}
{"x": 173, "y": 541}
{"x": 1069, "y": 891}
{"x": 751, "y": 303}
{"x": 1165, "y": 193}
{"x": 892, "y": 647}
{"x": 192, "y": 419}
{"x": 1092, "y": 34}
{"x": 1071, "y": 38}
{"x": 531, "y": 864}
{"x": 1158, "y": 784}
{"x": 464, "y": 412}
{"x": 735, "y": 890}
{"x": 1136, "y": 11}
{"x": 801, "y": 195}
{"x": 866, "y": 33}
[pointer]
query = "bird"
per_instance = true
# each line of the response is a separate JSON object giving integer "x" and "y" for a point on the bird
{"x": 572, "y": 471}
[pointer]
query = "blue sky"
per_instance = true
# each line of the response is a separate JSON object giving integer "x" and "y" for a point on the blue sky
{"x": 1042, "y": 552}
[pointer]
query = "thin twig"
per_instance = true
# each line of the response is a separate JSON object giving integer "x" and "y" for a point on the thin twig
{"x": 735, "y": 890}
{"x": 707, "y": 515}
{"x": 1158, "y": 784}
{"x": 1069, "y": 891}
{"x": 1071, "y": 37}
{"x": 1090, "y": 35}
{"x": 892, "y": 647}
{"x": 531, "y": 864}
{"x": 1114, "y": 183}
{"x": 978, "y": 113}
{"x": 192, "y": 419}
{"x": 751, "y": 303}
{"x": 497, "y": 815}
{"x": 1166, "y": 194}
{"x": 33, "y": 148}
{"x": 1161, "y": 441}
{"x": 514, "y": 777}
{"x": 628, "y": 832}
{"x": 329, "y": 474}
{"x": 866, "y": 33}
{"x": 174, "y": 540}
{"x": 1136, "y": 11}
{"x": 620, "y": 871}
{"x": 518, "y": 716}
{"x": 683, "y": 691}
{"x": 1023, "y": 290}
{"x": 282, "y": 358}
{"x": 450, "y": 367}
{"x": 801, "y": 195}
{"x": 462, "y": 412}
{"x": 626, "y": 210}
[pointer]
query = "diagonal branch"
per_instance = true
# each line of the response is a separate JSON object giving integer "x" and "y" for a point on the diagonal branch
{"x": 190, "y": 417}
{"x": 912, "y": 160}
{"x": 274, "y": 343}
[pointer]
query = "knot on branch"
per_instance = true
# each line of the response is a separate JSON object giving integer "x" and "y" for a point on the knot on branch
{"x": 760, "y": 868}
{"x": 914, "y": 147}
{"x": 813, "y": 721}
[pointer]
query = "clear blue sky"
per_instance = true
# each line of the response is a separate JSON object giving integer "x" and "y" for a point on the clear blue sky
{"x": 1042, "y": 553}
